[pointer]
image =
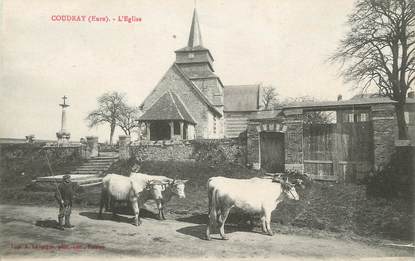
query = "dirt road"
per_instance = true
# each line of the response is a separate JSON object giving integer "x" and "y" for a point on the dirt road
{"x": 29, "y": 231}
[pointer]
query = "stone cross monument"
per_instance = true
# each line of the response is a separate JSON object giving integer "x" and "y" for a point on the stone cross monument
{"x": 63, "y": 135}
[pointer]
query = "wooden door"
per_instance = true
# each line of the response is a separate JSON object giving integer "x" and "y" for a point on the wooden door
{"x": 272, "y": 151}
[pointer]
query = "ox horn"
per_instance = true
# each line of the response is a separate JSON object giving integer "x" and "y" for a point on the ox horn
{"x": 155, "y": 182}
{"x": 165, "y": 181}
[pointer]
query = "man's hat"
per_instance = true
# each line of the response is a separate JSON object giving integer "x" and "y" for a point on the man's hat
{"x": 66, "y": 177}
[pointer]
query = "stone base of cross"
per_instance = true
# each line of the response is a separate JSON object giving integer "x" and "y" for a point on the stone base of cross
{"x": 63, "y": 137}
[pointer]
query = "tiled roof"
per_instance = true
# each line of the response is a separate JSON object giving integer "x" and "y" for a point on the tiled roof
{"x": 167, "y": 107}
{"x": 262, "y": 115}
{"x": 197, "y": 90}
{"x": 200, "y": 74}
{"x": 192, "y": 49}
{"x": 355, "y": 101}
{"x": 241, "y": 97}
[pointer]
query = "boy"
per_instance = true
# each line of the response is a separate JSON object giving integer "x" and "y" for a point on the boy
{"x": 64, "y": 196}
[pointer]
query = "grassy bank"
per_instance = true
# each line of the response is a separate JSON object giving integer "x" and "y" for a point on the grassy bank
{"x": 330, "y": 207}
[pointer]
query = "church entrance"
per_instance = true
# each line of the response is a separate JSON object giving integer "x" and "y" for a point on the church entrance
{"x": 160, "y": 130}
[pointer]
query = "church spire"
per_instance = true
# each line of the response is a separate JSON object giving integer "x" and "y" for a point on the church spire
{"x": 195, "y": 36}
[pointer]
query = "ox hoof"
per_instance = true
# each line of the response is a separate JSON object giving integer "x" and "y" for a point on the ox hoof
{"x": 225, "y": 238}
{"x": 270, "y": 234}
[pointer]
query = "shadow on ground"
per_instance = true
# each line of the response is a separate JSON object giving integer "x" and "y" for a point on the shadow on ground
{"x": 47, "y": 223}
{"x": 234, "y": 219}
{"x": 199, "y": 231}
{"x": 195, "y": 219}
{"x": 233, "y": 224}
{"x": 122, "y": 219}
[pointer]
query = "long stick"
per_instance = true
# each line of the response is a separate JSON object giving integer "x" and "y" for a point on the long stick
{"x": 51, "y": 171}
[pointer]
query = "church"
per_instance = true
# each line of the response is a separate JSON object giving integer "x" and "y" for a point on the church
{"x": 190, "y": 100}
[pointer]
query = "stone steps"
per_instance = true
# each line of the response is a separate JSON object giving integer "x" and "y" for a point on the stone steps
{"x": 91, "y": 167}
{"x": 87, "y": 174}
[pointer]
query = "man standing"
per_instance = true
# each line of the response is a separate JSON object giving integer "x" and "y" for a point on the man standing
{"x": 64, "y": 196}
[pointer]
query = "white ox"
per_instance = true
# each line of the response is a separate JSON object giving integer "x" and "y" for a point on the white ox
{"x": 171, "y": 187}
{"x": 253, "y": 195}
{"x": 119, "y": 188}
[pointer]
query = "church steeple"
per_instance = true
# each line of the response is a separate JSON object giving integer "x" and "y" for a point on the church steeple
{"x": 194, "y": 54}
{"x": 195, "y": 36}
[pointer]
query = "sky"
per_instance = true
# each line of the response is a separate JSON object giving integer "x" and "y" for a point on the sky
{"x": 282, "y": 43}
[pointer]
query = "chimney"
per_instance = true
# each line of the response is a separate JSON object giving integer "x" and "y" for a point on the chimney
{"x": 339, "y": 97}
{"x": 411, "y": 94}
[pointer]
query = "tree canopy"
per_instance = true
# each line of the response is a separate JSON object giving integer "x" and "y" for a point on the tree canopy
{"x": 378, "y": 51}
{"x": 110, "y": 108}
{"x": 269, "y": 97}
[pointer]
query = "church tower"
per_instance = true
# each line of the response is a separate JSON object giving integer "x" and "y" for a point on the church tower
{"x": 196, "y": 62}
{"x": 187, "y": 102}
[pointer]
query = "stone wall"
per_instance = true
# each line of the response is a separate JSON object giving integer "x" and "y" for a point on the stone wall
{"x": 30, "y": 159}
{"x": 292, "y": 128}
{"x": 252, "y": 143}
{"x": 294, "y": 139}
{"x": 210, "y": 150}
{"x": 384, "y": 133}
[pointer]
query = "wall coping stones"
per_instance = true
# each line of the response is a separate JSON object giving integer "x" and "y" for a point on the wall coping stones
{"x": 402, "y": 143}
{"x": 383, "y": 118}
{"x": 288, "y": 112}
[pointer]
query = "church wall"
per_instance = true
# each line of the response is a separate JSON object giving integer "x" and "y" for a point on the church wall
{"x": 174, "y": 82}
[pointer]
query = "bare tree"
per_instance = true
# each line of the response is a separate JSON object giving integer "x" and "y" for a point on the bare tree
{"x": 379, "y": 50}
{"x": 269, "y": 97}
{"x": 127, "y": 119}
{"x": 110, "y": 107}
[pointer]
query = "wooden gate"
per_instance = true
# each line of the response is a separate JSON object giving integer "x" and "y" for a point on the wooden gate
{"x": 272, "y": 151}
{"x": 342, "y": 151}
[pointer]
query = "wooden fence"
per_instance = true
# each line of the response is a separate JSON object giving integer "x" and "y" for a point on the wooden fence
{"x": 340, "y": 151}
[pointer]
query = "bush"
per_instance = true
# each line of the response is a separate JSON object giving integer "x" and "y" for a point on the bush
{"x": 396, "y": 180}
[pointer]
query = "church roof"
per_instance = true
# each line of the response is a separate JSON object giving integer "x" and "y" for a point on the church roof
{"x": 167, "y": 107}
{"x": 192, "y": 49}
{"x": 201, "y": 74}
{"x": 197, "y": 90}
{"x": 241, "y": 97}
